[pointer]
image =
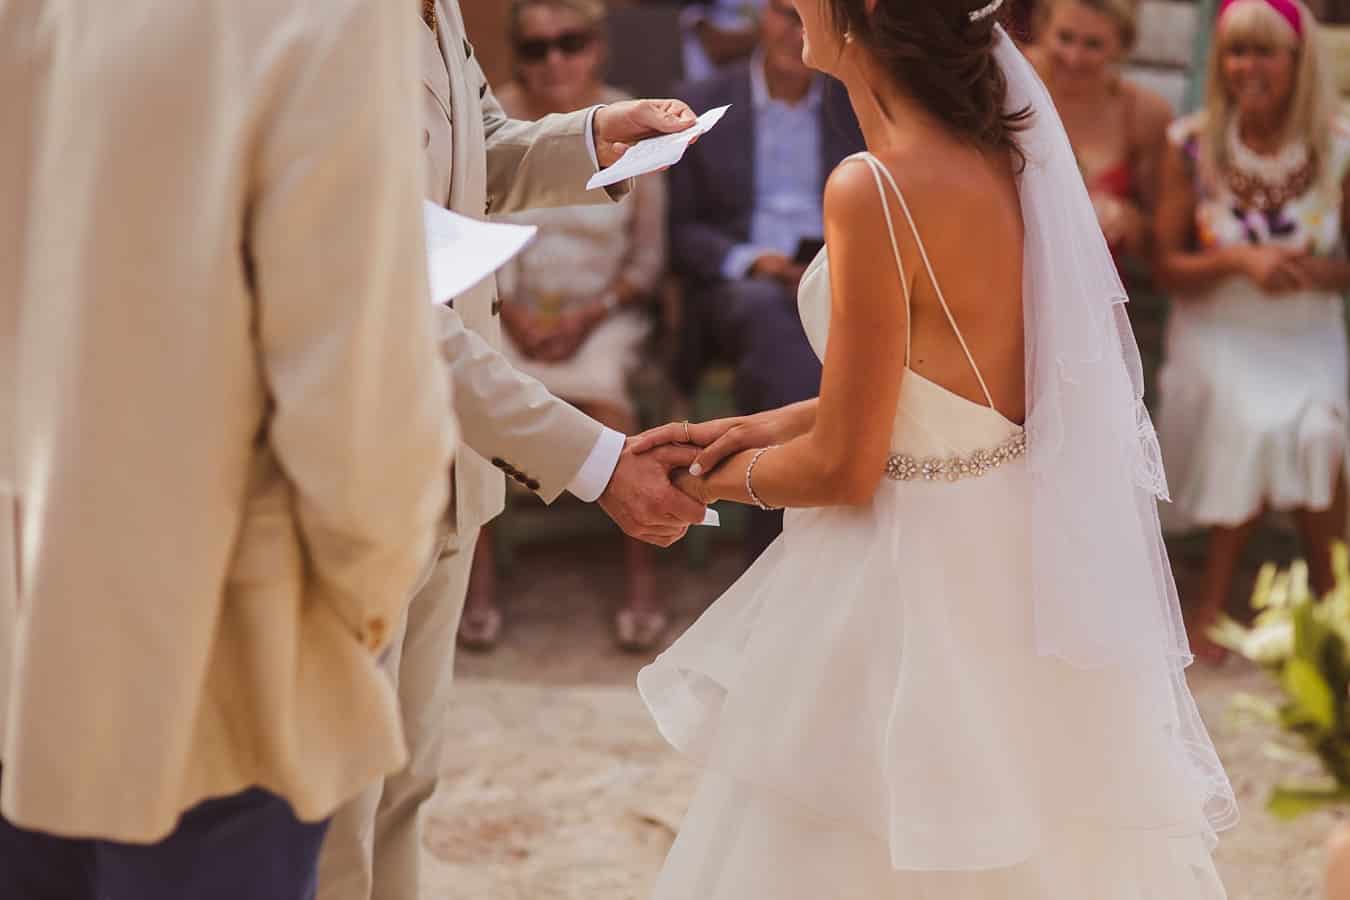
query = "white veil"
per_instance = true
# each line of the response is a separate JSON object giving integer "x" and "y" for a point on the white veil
{"x": 1105, "y": 597}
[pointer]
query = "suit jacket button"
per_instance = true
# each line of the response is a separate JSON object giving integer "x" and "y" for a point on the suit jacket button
{"x": 497, "y": 307}
{"x": 499, "y": 462}
{"x": 426, "y": 138}
{"x": 468, "y": 49}
{"x": 532, "y": 484}
{"x": 482, "y": 90}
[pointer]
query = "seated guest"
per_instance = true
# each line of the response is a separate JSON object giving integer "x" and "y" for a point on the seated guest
{"x": 571, "y": 303}
{"x": 745, "y": 198}
{"x": 1252, "y": 224}
{"x": 717, "y": 33}
{"x": 1116, "y": 127}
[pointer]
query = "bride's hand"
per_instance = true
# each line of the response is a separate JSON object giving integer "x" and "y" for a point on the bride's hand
{"x": 694, "y": 487}
{"x": 695, "y": 434}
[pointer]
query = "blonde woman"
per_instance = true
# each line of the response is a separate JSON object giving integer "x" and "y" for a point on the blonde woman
{"x": 1116, "y": 127}
{"x": 1252, "y": 240}
{"x": 571, "y": 303}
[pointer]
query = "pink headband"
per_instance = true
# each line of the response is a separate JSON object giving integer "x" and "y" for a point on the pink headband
{"x": 1287, "y": 9}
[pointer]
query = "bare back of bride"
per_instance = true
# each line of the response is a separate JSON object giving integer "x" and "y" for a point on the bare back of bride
{"x": 959, "y": 673}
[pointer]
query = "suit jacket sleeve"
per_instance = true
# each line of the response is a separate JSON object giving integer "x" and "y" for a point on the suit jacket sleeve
{"x": 345, "y": 325}
{"x": 539, "y": 164}
{"x": 510, "y": 417}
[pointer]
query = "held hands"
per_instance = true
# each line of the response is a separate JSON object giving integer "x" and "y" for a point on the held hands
{"x": 550, "y": 341}
{"x": 620, "y": 125}
{"x": 642, "y": 500}
{"x": 1278, "y": 270}
{"x": 721, "y": 439}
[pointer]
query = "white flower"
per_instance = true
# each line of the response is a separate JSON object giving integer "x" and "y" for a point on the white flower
{"x": 1272, "y": 643}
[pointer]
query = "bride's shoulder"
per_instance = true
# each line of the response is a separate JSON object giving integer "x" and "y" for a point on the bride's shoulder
{"x": 859, "y": 181}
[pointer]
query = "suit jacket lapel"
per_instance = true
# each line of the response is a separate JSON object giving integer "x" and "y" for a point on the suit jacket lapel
{"x": 741, "y": 166}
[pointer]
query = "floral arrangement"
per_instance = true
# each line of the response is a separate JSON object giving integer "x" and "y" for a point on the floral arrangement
{"x": 1304, "y": 643}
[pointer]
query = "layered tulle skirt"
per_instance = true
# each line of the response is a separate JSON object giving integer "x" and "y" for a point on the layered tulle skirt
{"x": 875, "y": 723}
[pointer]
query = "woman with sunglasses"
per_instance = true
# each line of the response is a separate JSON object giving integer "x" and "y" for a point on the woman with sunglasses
{"x": 571, "y": 304}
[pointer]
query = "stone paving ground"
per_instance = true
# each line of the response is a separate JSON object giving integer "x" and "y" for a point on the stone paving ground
{"x": 557, "y": 787}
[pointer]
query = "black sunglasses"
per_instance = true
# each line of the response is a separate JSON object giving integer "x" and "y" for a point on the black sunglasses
{"x": 569, "y": 43}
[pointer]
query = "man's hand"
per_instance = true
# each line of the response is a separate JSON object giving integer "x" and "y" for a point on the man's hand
{"x": 620, "y": 125}
{"x": 779, "y": 268}
{"x": 642, "y": 500}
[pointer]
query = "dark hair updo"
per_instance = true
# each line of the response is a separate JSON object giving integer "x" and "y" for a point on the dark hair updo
{"x": 943, "y": 59}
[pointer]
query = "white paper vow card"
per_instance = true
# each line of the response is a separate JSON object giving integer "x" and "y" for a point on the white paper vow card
{"x": 655, "y": 153}
{"x": 462, "y": 252}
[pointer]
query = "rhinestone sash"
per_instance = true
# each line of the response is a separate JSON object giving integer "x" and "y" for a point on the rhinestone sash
{"x": 901, "y": 467}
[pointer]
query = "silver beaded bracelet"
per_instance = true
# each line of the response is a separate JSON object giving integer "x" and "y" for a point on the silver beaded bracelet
{"x": 749, "y": 483}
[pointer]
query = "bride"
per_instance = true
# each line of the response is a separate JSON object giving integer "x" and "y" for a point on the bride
{"x": 959, "y": 673}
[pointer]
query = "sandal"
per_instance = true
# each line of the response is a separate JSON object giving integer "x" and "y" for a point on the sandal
{"x": 480, "y": 629}
{"x": 638, "y": 630}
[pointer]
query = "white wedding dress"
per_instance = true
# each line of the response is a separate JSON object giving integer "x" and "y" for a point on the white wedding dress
{"x": 875, "y": 721}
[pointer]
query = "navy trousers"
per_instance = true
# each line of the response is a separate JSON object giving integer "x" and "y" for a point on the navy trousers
{"x": 248, "y": 846}
{"x": 755, "y": 322}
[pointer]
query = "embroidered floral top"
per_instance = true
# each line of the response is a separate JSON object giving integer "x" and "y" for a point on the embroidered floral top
{"x": 1310, "y": 220}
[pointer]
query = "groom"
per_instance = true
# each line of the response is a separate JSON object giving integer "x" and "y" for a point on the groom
{"x": 477, "y": 161}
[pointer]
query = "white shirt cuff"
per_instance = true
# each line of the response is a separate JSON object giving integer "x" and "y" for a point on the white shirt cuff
{"x": 590, "y": 482}
{"x": 739, "y": 260}
{"x": 590, "y": 135}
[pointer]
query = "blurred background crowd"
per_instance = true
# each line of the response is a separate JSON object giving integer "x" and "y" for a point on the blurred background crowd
{"x": 1215, "y": 143}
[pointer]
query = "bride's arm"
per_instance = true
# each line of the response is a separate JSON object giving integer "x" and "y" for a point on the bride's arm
{"x": 841, "y": 459}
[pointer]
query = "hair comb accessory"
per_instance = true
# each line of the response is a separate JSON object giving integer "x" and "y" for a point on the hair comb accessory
{"x": 1287, "y": 9}
{"x": 986, "y": 11}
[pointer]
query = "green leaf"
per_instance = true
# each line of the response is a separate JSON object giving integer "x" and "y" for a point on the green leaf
{"x": 1289, "y": 803}
{"x": 1310, "y": 633}
{"x": 1310, "y": 693}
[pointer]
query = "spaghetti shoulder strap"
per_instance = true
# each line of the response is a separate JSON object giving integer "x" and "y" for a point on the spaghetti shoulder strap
{"x": 879, "y": 166}
{"x": 875, "y": 165}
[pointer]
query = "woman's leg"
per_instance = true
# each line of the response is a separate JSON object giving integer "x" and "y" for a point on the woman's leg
{"x": 1221, "y": 561}
{"x": 481, "y": 625}
{"x": 642, "y": 618}
{"x": 1318, "y": 530}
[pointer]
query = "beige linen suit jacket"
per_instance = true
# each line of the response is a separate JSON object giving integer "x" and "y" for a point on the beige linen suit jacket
{"x": 510, "y": 422}
{"x": 233, "y": 430}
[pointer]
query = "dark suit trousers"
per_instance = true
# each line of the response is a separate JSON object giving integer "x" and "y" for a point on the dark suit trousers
{"x": 755, "y": 322}
{"x": 248, "y": 846}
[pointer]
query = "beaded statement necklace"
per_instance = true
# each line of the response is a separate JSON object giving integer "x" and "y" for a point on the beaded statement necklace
{"x": 1268, "y": 182}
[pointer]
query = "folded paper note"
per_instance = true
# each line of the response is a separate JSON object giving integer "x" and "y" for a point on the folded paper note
{"x": 655, "y": 153}
{"x": 462, "y": 252}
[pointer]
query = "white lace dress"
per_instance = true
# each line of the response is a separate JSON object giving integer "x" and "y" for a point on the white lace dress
{"x": 875, "y": 723}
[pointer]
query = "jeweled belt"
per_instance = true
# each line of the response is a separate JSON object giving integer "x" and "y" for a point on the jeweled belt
{"x": 902, "y": 467}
